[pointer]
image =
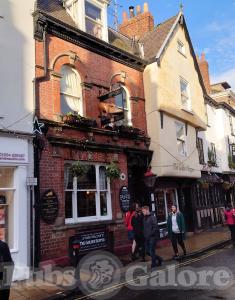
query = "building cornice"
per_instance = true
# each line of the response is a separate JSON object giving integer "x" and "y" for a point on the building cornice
{"x": 42, "y": 21}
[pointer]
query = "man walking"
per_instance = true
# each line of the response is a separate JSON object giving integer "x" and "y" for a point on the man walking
{"x": 150, "y": 235}
{"x": 176, "y": 230}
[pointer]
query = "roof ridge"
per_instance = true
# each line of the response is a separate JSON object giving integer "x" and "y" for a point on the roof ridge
{"x": 158, "y": 25}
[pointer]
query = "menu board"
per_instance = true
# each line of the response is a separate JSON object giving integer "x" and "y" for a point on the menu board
{"x": 49, "y": 206}
{"x": 124, "y": 199}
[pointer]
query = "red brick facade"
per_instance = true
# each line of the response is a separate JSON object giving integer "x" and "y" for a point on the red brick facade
{"x": 62, "y": 142}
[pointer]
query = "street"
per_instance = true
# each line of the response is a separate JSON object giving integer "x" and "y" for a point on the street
{"x": 221, "y": 258}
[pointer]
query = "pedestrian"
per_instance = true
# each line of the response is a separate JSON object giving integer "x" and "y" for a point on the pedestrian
{"x": 150, "y": 235}
{"x": 176, "y": 230}
{"x": 138, "y": 229}
{"x": 229, "y": 214}
{"x": 128, "y": 218}
{"x": 6, "y": 271}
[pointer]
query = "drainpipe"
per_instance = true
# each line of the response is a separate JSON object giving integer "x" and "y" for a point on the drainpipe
{"x": 36, "y": 206}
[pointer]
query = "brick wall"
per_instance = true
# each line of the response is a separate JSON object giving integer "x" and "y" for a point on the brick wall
{"x": 204, "y": 68}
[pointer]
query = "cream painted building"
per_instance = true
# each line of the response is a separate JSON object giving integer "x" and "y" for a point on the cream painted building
{"x": 175, "y": 109}
{"x": 16, "y": 123}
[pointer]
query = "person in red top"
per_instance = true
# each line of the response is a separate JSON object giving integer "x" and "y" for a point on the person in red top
{"x": 128, "y": 219}
{"x": 229, "y": 214}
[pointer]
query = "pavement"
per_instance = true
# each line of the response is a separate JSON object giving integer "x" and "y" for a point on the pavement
{"x": 197, "y": 244}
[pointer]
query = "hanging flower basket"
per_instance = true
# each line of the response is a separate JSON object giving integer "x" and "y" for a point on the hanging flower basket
{"x": 112, "y": 171}
{"x": 69, "y": 119}
{"x": 204, "y": 184}
{"x": 77, "y": 169}
{"x": 226, "y": 185}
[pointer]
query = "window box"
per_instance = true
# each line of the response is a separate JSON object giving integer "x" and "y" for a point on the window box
{"x": 78, "y": 121}
{"x": 130, "y": 131}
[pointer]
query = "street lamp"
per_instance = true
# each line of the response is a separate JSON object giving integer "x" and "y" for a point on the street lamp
{"x": 149, "y": 178}
{"x": 149, "y": 181}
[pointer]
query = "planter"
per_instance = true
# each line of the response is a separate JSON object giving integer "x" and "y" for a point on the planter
{"x": 128, "y": 130}
{"x": 78, "y": 121}
{"x": 226, "y": 185}
{"x": 205, "y": 185}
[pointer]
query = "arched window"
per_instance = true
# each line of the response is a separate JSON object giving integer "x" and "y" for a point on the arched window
{"x": 70, "y": 91}
{"x": 123, "y": 101}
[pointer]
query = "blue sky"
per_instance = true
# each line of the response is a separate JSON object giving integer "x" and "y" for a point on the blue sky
{"x": 211, "y": 24}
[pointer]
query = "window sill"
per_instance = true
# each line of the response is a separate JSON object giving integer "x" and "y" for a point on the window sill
{"x": 84, "y": 225}
{"x": 188, "y": 111}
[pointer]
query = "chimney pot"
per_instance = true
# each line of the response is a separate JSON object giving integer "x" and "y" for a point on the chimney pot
{"x": 124, "y": 17}
{"x": 138, "y": 10}
{"x": 146, "y": 7}
{"x": 203, "y": 57}
{"x": 132, "y": 11}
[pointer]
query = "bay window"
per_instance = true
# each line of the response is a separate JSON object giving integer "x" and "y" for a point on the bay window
{"x": 87, "y": 197}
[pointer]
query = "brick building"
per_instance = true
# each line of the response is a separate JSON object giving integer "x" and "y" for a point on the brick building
{"x": 90, "y": 98}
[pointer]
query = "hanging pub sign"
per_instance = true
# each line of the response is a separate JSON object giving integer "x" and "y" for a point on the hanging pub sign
{"x": 49, "y": 206}
{"x": 111, "y": 94}
{"x": 124, "y": 199}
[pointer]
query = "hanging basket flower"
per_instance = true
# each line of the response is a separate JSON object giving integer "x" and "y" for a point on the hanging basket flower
{"x": 77, "y": 169}
{"x": 204, "y": 184}
{"x": 226, "y": 185}
{"x": 112, "y": 171}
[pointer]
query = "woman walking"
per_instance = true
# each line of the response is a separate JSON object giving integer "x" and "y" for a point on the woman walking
{"x": 176, "y": 230}
{"x": 128, "y": 219}
{"x": 138, "y": 228}
{"x": 229, "y": 214}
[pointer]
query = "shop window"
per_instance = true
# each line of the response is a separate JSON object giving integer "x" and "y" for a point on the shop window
{"x": 87, "y": 197}
{"x": 185, "y": 97}
{"x": 7, "y": 206}
{"x": 122, "y": 101}
{"x": 164, "y": 201}
{"x": 181, "y": 138}
{"x": 70, "y": 91}
{"x": 200, "y": 151}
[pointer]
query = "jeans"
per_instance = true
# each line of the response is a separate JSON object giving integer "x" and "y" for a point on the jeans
{"x": 140, "y": 245}
{"x": 177, "y": 238}
{"x": 150, "y": 246}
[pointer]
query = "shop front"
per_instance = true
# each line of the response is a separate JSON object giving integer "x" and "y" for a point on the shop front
{"x": 14, "y": 201}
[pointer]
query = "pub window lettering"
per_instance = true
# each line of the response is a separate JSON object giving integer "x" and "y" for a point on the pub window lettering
{"x": 87, "y": 197}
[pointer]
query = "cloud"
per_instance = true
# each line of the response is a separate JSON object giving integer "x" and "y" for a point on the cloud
{"x": 228, "y": 76}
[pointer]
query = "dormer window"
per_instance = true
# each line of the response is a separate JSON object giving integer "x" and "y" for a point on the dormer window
{"x": 93, "y": 19}
{"x": 90, "y": 16}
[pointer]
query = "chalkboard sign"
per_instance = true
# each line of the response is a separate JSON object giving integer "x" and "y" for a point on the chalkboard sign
{"x": 89, "y": 240}
{"x": 49, "y": 206}
{"x": 124, "y": 198}
{"x": 3, "y": 199}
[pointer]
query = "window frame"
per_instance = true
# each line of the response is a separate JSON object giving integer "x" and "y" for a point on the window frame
{"x": 64, "y": 94}
{"x": 183, "y": 141}
{"x": 99, "y": 22}
{"x": 188, "y": 105}
{"x": 180, "y": 45}
{"x": 200, "y": 149}
{"x": 231, "y": 124}
{"x": 128, "y": 109}
{"x": 75, "y": 219}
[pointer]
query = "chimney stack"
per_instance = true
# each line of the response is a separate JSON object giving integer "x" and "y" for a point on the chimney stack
{"x": 138, "y": 10}
{"x": 137, "y": 25}
{"x": 204, "y": 68}
{"x": 132, "y": 11}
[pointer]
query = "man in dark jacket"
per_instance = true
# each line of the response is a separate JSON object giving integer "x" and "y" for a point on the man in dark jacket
{"x": 137, "y": 223}
{"x": 176, "y": 230}
{"x": 6, "y": 271}
{"x": 150, "y": 235}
